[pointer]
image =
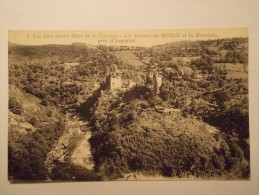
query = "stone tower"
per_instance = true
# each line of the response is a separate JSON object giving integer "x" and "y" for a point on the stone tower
{"x": 115, "y": 82}
{"x": 154, "y": 81}
{"x": 157, "y": 79}
{"x": 113, "y": 78}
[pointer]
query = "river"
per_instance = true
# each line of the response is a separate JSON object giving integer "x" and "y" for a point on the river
{"x": 73, "y": 146}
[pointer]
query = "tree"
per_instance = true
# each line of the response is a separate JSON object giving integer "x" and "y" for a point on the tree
{"x": 221, "y": 97}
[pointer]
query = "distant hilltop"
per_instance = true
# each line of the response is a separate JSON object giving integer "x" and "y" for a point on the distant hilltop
{"x": 10, "y": 44}
{"x": 13, "y": 44}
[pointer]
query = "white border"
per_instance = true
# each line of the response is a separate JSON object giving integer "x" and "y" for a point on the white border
{"x": 100, "y": 14}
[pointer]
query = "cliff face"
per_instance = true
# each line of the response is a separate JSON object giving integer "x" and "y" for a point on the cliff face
{"x": 33, "y": 129}
{"x": 26, "y": 111}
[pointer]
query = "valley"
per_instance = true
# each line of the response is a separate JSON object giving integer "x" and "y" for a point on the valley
{"x": 177, "y": 111}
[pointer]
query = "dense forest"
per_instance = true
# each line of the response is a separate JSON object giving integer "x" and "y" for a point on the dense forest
{"x": 196, "y": 126}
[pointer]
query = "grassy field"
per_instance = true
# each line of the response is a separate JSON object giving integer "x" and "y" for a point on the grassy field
{"x": 128, "y": 58}
{"x": 235, "y": 71}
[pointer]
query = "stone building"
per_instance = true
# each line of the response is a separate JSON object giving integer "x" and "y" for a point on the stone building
{"x": 114, "y": 82}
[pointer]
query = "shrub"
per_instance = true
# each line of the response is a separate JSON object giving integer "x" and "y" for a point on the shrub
{"x": 15, "y": 106}
{"x": 33, "y": 121}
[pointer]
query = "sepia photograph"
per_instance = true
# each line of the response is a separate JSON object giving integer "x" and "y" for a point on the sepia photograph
{"x": 128, "y": 105}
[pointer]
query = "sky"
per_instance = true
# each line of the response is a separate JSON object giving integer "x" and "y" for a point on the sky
{"x": 144, "y": 38}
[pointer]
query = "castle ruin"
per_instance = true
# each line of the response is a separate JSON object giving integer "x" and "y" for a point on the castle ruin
{"x": 154, "y": 81}
{"x": 114, "y": 81}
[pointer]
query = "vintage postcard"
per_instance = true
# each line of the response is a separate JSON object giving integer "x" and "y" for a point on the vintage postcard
{"x": 101, "y": 105}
